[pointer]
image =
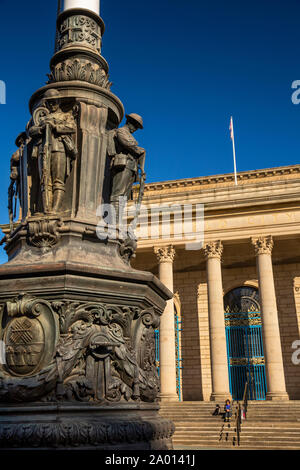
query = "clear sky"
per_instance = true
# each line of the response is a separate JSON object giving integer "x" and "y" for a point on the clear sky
{"x": 186, "y": 67}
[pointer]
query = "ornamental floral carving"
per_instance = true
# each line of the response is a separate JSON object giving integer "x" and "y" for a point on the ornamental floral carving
{"x": 263, "y": 245}
{"x": 80, "y": 69}
{"x": 165, "y": 254}
{"x": 213, "y": 249}
{"x": 75, "y": 351}
{"x": 44, "y": 233}
{"x": 72, "y": 433}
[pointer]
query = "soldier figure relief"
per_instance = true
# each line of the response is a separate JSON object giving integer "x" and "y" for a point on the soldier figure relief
{"x": 127, "y": 159}
{"x": 52, "y": 133}
{"x": 14, "y": 190}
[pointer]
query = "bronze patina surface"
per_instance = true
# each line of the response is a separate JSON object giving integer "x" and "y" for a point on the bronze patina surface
{"x": 76, "y": 319}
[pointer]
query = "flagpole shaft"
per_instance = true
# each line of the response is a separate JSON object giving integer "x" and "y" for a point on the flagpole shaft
{"x": 234, "y": 156}
{"x": 234, "y": 161}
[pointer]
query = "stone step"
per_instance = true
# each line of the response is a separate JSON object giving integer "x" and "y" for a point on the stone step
{"x": 191, "y": 440}
{"x": 252, "y": 419}
{"x": 245, "y": 431}
{"x": 244, "y": 436}
{"x": 226, "y": 446}
{"x": 263, "y": 429}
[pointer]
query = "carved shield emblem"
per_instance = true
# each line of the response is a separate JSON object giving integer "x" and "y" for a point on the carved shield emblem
{"x": 25, "y": 342}
{"x": 30, "y": 335}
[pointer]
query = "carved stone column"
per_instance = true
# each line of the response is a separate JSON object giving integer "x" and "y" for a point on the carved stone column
{"x": 220, "y": 380}
{"x": 167, "y": 357}
{"x": 276, "y": 389}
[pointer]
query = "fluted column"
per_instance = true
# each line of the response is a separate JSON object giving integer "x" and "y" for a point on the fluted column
{"x": 167, "y": 356}
{"x": 219, "y": 364}
{"x": 276, "y": 389}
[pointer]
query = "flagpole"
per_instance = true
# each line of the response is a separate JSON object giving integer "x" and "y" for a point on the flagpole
{"x": 234, "y": 156}
{"x": 59, "y": 5}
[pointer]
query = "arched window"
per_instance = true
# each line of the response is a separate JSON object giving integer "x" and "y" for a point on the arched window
{"x": 246, "y": 362}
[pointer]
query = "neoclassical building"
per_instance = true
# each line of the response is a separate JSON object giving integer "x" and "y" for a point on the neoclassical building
{"x": 235, "y": 315}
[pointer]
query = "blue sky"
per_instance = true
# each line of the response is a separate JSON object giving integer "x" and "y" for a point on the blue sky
{"x": 186, "y": 67}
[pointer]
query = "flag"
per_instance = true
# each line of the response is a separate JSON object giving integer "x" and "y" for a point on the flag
{"x": 231, "y": 129}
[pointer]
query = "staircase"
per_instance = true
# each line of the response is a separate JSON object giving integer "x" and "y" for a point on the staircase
{"x": 269, "y": 426}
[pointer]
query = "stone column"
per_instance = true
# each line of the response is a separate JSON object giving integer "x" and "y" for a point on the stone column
{"x": 219, "y": 363}
{"x": 167, "y": 355}
{"x": 276, "y": 389}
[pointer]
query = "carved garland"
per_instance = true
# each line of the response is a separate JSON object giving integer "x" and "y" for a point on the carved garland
{"x": 84, "y": 433}
{"x": 98, "y": 344}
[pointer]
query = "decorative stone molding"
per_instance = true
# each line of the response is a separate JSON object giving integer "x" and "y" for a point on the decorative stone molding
{"x": 64, "y": 350}
{"x": 87, "y": 432}
{"x": 226, "y": 179}
{"x": 80, "y": 69}
{"x": 44, "y": 233}
{"x": 263, "y": 245}
{"x": 213, "y": 249}
{"x": 80, "y": 28}
{"x": 165, "y": 254}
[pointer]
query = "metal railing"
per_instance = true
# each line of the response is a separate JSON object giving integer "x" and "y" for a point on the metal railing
{"x": 241, "y": 413}
{"x": 245, "y": 400}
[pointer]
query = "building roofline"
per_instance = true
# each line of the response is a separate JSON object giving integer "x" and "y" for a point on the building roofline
{"x": 225, "y": 178}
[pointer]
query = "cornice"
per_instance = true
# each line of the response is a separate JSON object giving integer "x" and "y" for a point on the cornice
{"x": 247, "y": 177}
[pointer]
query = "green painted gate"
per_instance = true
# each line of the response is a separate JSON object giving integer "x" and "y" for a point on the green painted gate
{"x": 245, "y": 353}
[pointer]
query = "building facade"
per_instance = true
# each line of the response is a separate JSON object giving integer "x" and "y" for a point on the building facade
{"x": 235, "y": 315}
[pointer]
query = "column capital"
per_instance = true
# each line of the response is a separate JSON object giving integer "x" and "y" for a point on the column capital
{"x": 213, "y": 249}
{"x": 263, "y": 245}
{"x": 165, "y": 254}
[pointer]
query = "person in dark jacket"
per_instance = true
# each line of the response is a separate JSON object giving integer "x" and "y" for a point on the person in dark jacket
{"x": 227, "y": 410}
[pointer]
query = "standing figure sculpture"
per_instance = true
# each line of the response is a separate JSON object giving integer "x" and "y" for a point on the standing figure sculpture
{"x": 54, "y": 148}
{"x": 127, "y": 160}
{"x": 14, "y": 190}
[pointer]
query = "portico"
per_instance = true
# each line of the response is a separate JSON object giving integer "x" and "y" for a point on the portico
{"x": 251, "y": 238}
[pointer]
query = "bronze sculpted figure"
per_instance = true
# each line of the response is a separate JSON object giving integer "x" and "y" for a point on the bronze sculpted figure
{"x": 78, "y": 368}
{"x": 14, "y": 190}
{"x": 127, "y": 160}
{"x": 54, "y": 148}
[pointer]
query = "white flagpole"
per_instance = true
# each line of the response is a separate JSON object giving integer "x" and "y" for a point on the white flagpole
{"x": 233, "y": 147}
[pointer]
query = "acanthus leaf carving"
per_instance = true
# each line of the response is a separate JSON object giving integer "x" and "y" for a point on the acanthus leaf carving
{"x": 104, "y": 353}
{"x": 80, "y": 69}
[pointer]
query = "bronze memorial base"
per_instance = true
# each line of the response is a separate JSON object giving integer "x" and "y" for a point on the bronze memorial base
{"x": 97, "y": 392}
{"x": 77, "y": 322}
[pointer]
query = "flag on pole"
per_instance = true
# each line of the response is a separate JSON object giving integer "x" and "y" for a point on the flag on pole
{"x": 233, "y": 147}
{"x": 231, "y": 128}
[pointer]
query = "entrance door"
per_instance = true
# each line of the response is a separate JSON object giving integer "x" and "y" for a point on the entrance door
{"x": 246, "y": 360}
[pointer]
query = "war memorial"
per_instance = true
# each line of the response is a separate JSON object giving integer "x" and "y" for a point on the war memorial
{"x": 78, "y": 322}
{"x": 113, "y": 334}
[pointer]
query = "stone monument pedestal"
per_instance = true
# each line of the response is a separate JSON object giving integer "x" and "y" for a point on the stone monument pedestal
{"x": 80, "y": 366}
{"x": 46, "y": 426}
{"x": 76, "y": 320}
